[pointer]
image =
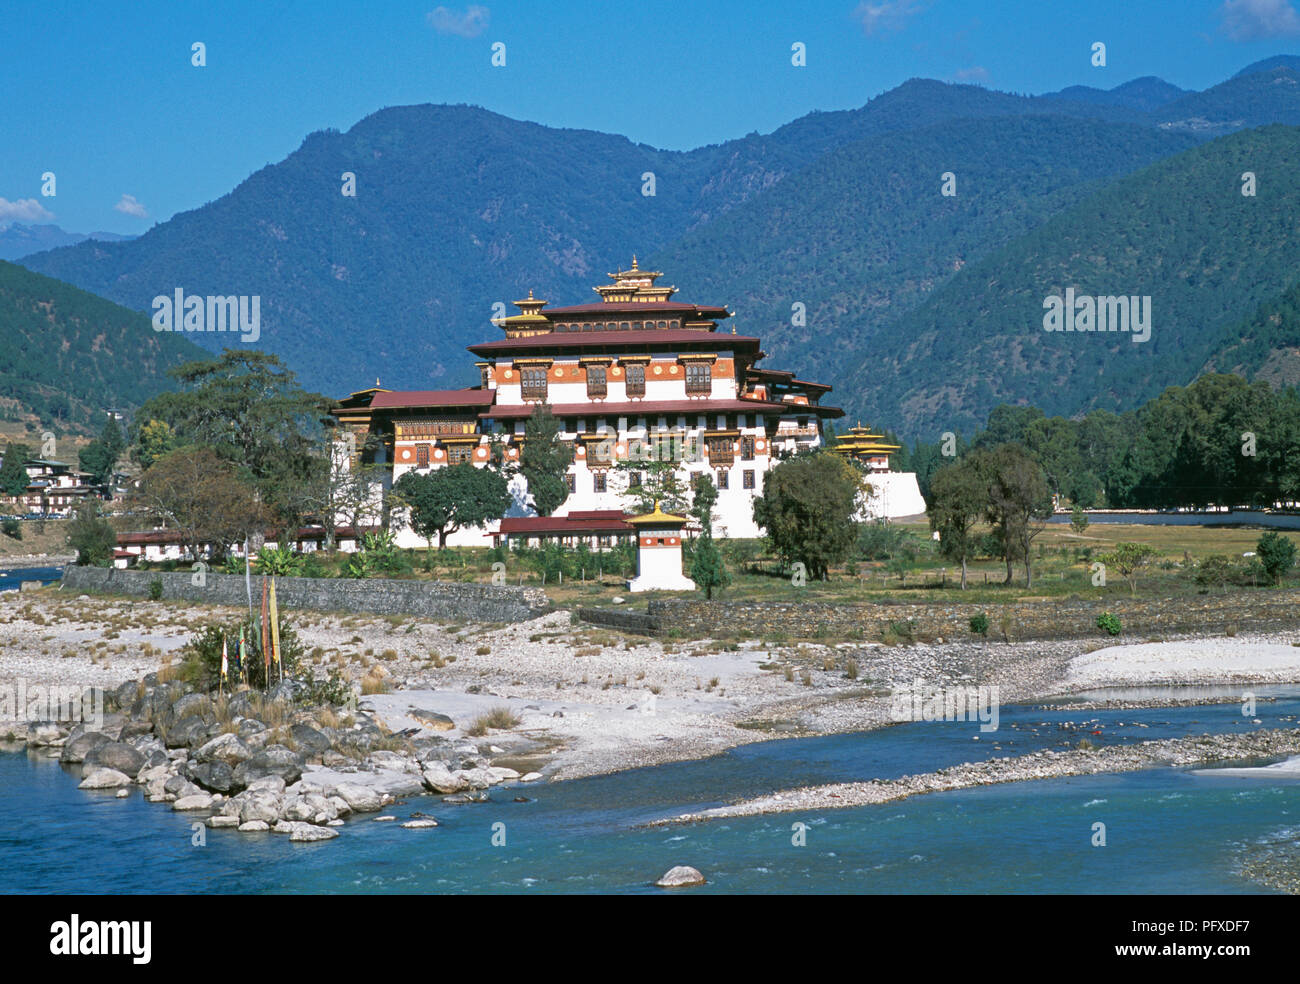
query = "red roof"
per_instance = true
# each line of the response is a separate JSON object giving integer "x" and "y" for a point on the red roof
{"x": 432, "y": 398}
{"x": 630, "y": 307}
{"x": 611, "y": 521}
{"x": 642, "y": 339}
{"x": 650, "y": 408}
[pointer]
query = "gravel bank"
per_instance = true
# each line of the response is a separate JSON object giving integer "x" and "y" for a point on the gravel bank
{"x": 1202, "y": 749}
{"x": 598, "y": 701}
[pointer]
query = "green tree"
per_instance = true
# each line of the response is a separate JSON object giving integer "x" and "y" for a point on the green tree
{"x": 958, "y": 499}
{"x": 1129, "y": 559}
{"x": 653, "y": 472}
{"x": 545, "y": 460}
{"x": 807, "y": 510}
{"x": 91, "y": 536}
{"x": 1019, "y": 502}
{"x": 708, "y": 570}
{"x": 13, "y": 474}
{"x": 1276, "y": 554}
{"x": 154, "y": 438}
{"x": 452, "y": 498}
{"x": 101, "y": 455}
{"x": 203, "y": 498}
{"x": 248, "y": 408}
{"x": 1078, "y": 519}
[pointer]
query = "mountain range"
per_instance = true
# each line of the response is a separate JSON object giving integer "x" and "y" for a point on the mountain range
{"x": 67, "y": 356}
{"x": 1127, "y": 190}
{"x": 19, "y": 239}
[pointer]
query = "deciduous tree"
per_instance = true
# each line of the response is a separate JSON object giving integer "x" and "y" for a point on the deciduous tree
{"x": 807, "y": 510}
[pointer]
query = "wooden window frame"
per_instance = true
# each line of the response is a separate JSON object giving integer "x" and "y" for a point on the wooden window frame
{"x": 695, "y": 386}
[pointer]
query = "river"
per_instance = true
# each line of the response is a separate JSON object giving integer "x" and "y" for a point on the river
{"x": 1167, "y": 829}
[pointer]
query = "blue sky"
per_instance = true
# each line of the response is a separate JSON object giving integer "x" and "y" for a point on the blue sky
{"x": 105, "y": 96}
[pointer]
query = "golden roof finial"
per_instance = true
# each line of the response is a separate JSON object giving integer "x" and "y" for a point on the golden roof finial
{"x": 633, "y": 261}
{"x": 530, "y": 293}
{"x": 376, "y": 380}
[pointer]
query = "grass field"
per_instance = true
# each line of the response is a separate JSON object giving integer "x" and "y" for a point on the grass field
{"x": 913, "y": 570}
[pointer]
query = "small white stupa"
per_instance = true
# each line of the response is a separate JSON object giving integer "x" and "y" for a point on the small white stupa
{"x": 659, "y": 553}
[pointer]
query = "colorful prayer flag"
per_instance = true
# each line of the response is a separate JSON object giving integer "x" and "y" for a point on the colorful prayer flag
{"x": 266, "y": 649}
{"x": 275, "y": 627}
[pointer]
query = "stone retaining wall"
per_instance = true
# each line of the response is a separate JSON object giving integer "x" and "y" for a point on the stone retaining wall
{"x": 1047, "y": 619}
{"x": 377, "y": 596}
{"x": 638, "y": 623}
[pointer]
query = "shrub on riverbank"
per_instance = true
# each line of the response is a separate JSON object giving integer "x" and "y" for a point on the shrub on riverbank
{"x": 497, "y": 719}
{"x": 201, "y": 656}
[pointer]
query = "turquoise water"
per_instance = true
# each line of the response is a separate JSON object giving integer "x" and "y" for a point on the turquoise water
{"x": 10, "y": 579}
{"x": 1167, "y": 830}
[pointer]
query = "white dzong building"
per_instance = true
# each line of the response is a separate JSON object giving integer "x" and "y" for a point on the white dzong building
{"x": 631, "y": 371}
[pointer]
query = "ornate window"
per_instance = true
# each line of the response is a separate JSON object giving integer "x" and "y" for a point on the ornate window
{"x": 634, "y": 480}
{"x": 458, "y": 454}
{"x": 485, "y": 375}
{"x": 571, "y": 480}
{"x": 699, "y": 377}
{"x": 747, "y": 451}
{"x": 747, "y": 478}
{"x": 600, "y": 452}
{"x": 721, "y": 479}
{"x": 635, "y": 380}
{"x": 422, "y": 456}
{"x": 721, "y": 451}
{"x": 598, "y": 482}
{"x": 534, "y": 383}
{"x": 595, "y": 381}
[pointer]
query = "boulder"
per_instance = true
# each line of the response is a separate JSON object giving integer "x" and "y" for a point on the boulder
{"x": 441, "y": 779}
{"x": 274, "y": 760}
{"x": 116, "y": 755}
{"x": 310, "y": 742}
{"x": 126, "y": 694}
{"x": 78, "y": 748}
{"x": 191, "y": 705}
{"x": 305, "y": 833}
{"x": 197, "y": 801}
{"x": 433, "y": 720}
{"x": 422, "y": 824}
{"x": 502, "y": 774}
{"x": 218, "y": 821}
{"x": 259, "y": 805}
{"x": 178, "y": 786}
{"x": 215, "y": 776}
{"x": 247, "y": 727}
{"x": 272, "y": 784}
{"x": 43, "y": 734}
{"x": 361, "y": 799}
{"x": 226, "y": 748}
{"x": 530, "y": 777}
{"x": 136, "y": 727}
{"x": 254, "y": 827}
{"x": 105, "y": 779}
{"x": 243, "y": 704}
{"x": 185, "y": 732}
{"x": 681, "y": 876}
{"x": 476, "y": 778}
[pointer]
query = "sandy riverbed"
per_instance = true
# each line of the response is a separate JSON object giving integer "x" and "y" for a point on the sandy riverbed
{"x": 600, "y": 702}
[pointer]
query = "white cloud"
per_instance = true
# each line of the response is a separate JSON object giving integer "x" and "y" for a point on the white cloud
{"x": 976, "y": 73}
{"x": 470, "y": 24}
{"x": 1258, "y": 20}
{"x": 24, "y": 210}
{"x": 884, "y": 16}
{"x": 128, "y": 205}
